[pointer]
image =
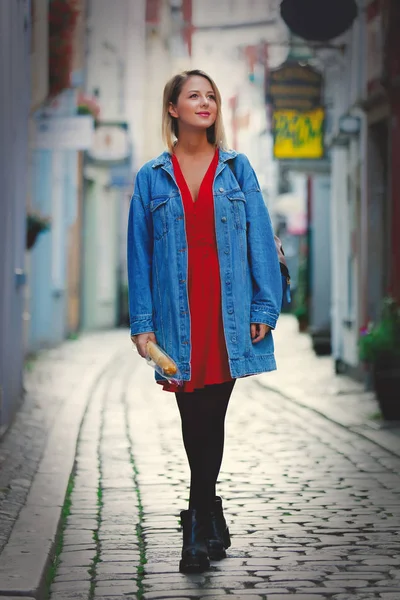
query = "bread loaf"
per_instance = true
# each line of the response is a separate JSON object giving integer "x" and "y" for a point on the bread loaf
{"x": 161, "y": 359}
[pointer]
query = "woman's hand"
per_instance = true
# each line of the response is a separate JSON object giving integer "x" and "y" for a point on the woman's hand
{"x": 258, "y": 331}
{"x": 141, "y": 340}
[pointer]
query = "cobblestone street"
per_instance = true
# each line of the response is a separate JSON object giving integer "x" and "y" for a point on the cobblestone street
{"x": 313, "y": 507}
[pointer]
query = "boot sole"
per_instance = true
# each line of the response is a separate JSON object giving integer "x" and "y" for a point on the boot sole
{"x": 194, "y": 566}
{"x": 216, "y": 548}
{"x": 216, "y": 554}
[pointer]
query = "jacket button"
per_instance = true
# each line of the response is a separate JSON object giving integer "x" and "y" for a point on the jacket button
{"x": 226, "y": 250}
{"x": 230, "y": 311}
{"x": 233, "y": 339}
{"x": 221, "y": 189}
{"x": 224, "y": 219}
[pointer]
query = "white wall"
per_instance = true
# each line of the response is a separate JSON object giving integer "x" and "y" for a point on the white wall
{"x": 159, "y": 68}
{"x": 117, "y": 73}
{"x": 220, "y": 52}
{"x": 237, "y": 11}
{"x": 136, "y": 76}
{"x": 116, "y": 65}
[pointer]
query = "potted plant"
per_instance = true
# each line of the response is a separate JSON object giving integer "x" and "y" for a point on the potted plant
{"x": 35, "y": 224}
{"x": 88, "y": 105}
{"x": 379, "y": 347}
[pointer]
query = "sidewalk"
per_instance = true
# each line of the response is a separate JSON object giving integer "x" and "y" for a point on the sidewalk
{"x": 94, "y": 462}
{"x": 37, "y": 456}
{"x": 310, "y": 381}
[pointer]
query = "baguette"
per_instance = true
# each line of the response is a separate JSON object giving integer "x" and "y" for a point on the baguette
{"x": 163, "y": 361}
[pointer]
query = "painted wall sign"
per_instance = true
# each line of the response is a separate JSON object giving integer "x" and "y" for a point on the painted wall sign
{"x": 299, "y": 134}
{"x": 295, "y": 87}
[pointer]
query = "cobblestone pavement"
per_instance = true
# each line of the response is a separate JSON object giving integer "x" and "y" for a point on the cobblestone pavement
{"x": 54, "y": 381}
{"x": 313, "y": 508}
{"x": 301, "y": 374}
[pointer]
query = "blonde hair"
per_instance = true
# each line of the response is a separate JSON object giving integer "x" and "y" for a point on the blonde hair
{"x": 172, "y": 90}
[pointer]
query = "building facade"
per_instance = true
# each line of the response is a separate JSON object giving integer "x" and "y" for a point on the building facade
{"x": 115, "y": 72}
{"x": 362, "y": 83}
{"x": 58, "y": 135}
{"x": 15, "y": 40}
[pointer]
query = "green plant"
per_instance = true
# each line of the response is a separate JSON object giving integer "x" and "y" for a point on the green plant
{"x": 35, "y": 224}
{"x": 379, "y": 343}
{"x": 300, "y": 308}
{"x": 35, "y": 220}
{"x": 300, "y": 312}
{"x": 88, "y": 105}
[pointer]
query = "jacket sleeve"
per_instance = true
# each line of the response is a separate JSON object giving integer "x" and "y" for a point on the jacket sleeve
{"x": 263, "y": 259}
{"x": 140, "y": 257}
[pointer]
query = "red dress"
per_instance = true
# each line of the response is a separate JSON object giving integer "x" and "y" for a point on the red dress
{"x": 209, "y": 358}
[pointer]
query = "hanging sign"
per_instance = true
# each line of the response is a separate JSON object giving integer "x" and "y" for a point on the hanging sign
{"x": 111, "y": 144}
{"x": 318, "y": 20}
{"x": 298, "y": 134}
{"x": 295, "y": 87}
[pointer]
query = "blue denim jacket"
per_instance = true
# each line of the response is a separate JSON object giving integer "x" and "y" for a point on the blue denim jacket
{"x": 251, "y": 287}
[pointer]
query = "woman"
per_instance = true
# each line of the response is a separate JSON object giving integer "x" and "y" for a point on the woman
{"x": 205, "y": 284}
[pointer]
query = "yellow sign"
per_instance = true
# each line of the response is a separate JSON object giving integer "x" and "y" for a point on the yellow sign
{"x": 299, "y": 134}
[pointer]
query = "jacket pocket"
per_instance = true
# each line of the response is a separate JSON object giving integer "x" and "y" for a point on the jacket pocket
{"x": 238, "y": 204}
{"x": 159, "y": 213}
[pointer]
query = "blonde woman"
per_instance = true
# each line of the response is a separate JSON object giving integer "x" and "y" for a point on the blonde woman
{"x": 205, "y": 284}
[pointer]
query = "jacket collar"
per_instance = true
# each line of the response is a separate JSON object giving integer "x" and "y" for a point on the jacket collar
{"x": 165, "y": 158}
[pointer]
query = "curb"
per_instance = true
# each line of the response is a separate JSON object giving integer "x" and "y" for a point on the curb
{"x": 27, "y": 556}
{"x": 369, "y": 430}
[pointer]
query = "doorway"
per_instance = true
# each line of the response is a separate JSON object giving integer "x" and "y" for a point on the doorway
{"x": 378, "y": 217}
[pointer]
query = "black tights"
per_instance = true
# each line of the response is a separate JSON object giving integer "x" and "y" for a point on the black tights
{"x": 203, "y": 417}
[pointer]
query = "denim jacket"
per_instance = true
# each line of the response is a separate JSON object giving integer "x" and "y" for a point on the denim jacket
{"x": 251, "y": 288}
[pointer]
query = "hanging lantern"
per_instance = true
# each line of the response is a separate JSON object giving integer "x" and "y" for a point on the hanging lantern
{"x": 318, "y": 20}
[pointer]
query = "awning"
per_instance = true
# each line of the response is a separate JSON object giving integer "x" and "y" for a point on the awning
{"x": 318, "y": 20}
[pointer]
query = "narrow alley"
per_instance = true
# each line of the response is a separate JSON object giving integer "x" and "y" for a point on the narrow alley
{"x": 199, "y": 173}
{"x": 313, "y": 507}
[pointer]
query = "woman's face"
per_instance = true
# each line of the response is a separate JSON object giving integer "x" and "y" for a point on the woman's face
{"x": 196, "y": 106}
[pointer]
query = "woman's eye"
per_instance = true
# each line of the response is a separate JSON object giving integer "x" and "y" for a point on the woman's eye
{"x": 211, "y": 97}
{"x": 193, "y": 96}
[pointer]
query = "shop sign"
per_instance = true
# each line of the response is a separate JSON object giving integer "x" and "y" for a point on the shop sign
{"x": 111, "y": 144}
{"x": 298, "y": 134}
{"x": 294, "y": 86}
{"x": 64, "y": 133}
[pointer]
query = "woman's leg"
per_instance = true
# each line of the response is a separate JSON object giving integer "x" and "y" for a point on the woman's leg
{"x": 203, "y": 429}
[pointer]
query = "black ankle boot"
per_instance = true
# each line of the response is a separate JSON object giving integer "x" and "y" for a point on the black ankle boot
{"x": 194, "y": 551}
{"x": 217, "y": 532}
